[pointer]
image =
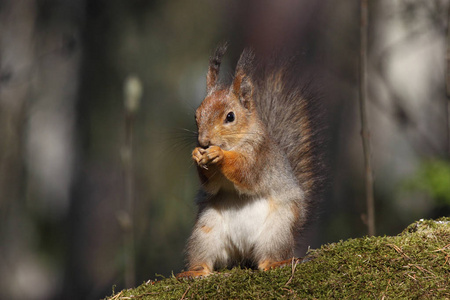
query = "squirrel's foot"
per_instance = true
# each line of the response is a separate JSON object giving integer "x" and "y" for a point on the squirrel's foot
{"x": 195, "y": 272}
{"x": 270, "y": 264}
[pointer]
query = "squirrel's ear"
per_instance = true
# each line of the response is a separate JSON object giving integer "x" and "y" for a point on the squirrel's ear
{"x": 214, "y": 67}
{"x": 242, "y": 85}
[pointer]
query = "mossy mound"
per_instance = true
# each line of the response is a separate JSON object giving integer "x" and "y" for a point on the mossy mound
{"x": 413, "y": 264}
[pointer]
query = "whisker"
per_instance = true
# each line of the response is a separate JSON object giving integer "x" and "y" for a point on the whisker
{"x": 188, "y": 130}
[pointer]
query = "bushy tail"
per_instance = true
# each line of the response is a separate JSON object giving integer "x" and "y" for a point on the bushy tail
{"x": 287, "y": 105}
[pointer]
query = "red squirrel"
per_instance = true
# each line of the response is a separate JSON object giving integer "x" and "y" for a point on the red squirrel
{"x": 258, "y": 164}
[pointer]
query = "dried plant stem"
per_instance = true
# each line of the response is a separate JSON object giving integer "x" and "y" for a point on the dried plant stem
{"x": 129, "y": 202}
{"x": 133, "y": 94}
{"x": 365, "y": 134}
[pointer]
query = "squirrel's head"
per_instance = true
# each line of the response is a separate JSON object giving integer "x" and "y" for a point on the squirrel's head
{"x": 227, "y": 114}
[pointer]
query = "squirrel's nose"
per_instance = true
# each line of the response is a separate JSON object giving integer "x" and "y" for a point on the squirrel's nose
{"x": 203, "y": 141}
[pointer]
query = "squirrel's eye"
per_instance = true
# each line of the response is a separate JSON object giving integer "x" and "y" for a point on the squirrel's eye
{"x": 230, "y": 117}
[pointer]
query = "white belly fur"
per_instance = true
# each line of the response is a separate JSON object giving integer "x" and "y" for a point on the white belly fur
{"x": 244, "y": 226}
{"x": 240, "y": 230}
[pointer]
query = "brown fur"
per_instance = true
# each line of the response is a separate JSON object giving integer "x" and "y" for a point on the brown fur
{"x": 258, "y": 164}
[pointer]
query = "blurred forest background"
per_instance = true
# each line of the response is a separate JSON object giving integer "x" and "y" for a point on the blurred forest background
{"x": 71, "y": 154}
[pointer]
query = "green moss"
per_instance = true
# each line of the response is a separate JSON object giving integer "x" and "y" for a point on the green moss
{"x": 414, "y": 264}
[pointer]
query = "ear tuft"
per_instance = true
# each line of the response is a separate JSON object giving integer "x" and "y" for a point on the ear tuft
{"x": 214, "y": 66}
{"x": 246, "y": 60}
{"x": 242, "y": 85}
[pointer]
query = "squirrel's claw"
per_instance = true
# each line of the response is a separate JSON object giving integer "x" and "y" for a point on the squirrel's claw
{"x": 197, "y": 156}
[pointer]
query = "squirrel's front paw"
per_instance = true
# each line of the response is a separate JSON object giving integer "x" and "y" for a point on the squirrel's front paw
{"x": 213, "y": 154}
{"x": 205, "y": 157}
{"x": 197, "y": 155}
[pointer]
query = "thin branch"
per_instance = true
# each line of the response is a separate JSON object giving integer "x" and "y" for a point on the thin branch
{"x": 447, "y": 82}
{"x": 132, "y": 93}
{"x": 365, "y": 134}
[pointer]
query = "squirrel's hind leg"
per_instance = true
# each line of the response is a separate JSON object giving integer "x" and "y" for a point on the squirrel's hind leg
{"x": 206, "y": 247}
{"x": 197, "y": 271}
{"x": 275, "y": 245}
{"x": 268, "y": 264}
